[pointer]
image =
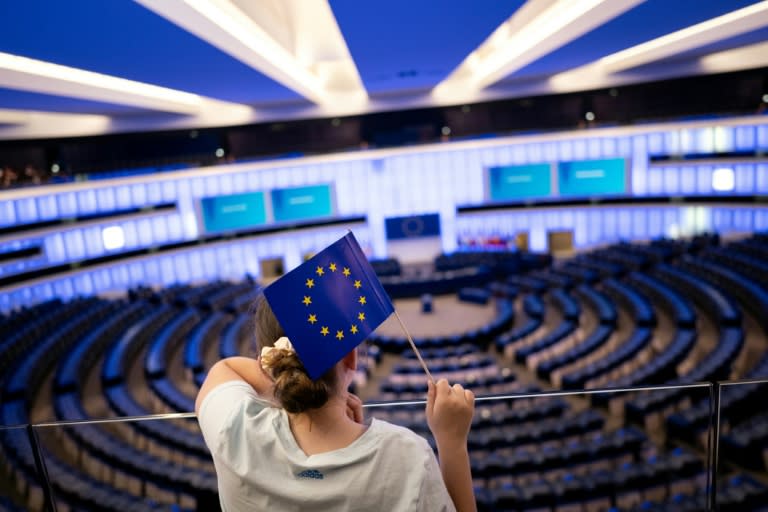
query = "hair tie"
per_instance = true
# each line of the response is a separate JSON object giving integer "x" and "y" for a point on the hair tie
{"x": 268, "y": 353}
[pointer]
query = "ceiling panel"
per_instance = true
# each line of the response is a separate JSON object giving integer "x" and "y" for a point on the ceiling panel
{"x": 407, "y": 44}
{"x": 122, "y": 38}
{"x": 748, "y": 38}
{"x": 649, "y": 20}
{"x": 15, "y": 99}
{"x": 402, "y": 48}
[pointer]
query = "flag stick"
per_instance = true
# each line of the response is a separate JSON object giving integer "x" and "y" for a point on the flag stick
{"x": 413, "y": 346}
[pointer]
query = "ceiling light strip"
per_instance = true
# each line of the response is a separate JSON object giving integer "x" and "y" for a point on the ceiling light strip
{"x": 547, "y": 26}
{"x": 46, "y": 77}
{"x": 716, "y": 29}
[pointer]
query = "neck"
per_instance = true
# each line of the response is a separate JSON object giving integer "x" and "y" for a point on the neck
{"x": 325, "y": 429}
{"x": 329, "y": 415}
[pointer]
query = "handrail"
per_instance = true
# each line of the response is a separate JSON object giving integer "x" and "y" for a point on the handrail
{"x": 712, "y": 444}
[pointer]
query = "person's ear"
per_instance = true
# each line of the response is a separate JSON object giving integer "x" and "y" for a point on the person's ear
{"x": 350, "y": 360}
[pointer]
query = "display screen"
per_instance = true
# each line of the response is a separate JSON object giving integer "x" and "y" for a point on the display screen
{"x": 302, "y": 203}
{"x": 414, "y": 226}
{"x": 233, "y": 212}
{"x": 592, "y": 177}
{"x": 512, "y": 182}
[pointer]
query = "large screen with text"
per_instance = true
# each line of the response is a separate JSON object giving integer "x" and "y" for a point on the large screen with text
{"x": 302, "y": 203}
{"x": 510, "y": 182}
{"x": 587, "y": 178}
{"x": 232, "y": 212}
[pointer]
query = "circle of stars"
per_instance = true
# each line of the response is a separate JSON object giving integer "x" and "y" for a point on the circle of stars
{"x": 325, "y": 330}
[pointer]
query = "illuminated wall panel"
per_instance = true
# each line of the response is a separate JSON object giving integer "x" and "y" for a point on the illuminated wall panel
{"x": 105, "y": 199}
{"x": 121, "y": 279}
{"x": 761, "y": 220}
{"x": 83, "y": 284}
{"x": 762, "y": 136}
{"x": 26, "y": 210}
{"x": 389, "y": 183}
{"x": 47, "y": 208}
{"x": 744, "y": 138}
{"x": 687, "y": 181}
{"x": 152, "y": 270}
{"x": 655, "y": 145}
{"x": 102, "y": 279}
{"x": 67, "y": 202}
{"x": 167, "y": 271}
{"x": 94, "y": 244}
{"x": 153, "y": 192}
{"x": 745, "y": 178}
{"x": 703, "y": 180}
{"x": 761, "y": 179}
{"x": 63, "y": 289}
{"x": 86, "y": 202}
{"x": 139, "y": 195}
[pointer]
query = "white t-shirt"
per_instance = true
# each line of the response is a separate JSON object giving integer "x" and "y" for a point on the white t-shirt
{"x": 260, "y": 466}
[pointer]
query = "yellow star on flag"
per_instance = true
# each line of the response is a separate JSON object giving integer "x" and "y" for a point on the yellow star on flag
{"x": 339, "y": 335}
{"x": 358, "y": 284}
{"x": 361, "y": 300}
{"x": 332, "y": 267}
{"x": 307, "y": 300}
{"x": 353, "y": 329}
{"x": 310, "y": 283}
{"x": 346, "y": 272}
{"x": 320, "y": 271}
{"x": 361, "y": 316}
{"x": 312, "y": 319}
{"x": 324, "y": 331}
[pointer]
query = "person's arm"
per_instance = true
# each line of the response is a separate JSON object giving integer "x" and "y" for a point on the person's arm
{"x": 244, "y": 369}
{"x": 449, "y": 416}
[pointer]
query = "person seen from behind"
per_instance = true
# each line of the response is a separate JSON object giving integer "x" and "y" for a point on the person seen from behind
{"x": 281, "y": 441}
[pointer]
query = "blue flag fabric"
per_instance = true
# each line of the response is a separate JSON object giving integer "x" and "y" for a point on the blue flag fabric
{"x": 329, "y": 304}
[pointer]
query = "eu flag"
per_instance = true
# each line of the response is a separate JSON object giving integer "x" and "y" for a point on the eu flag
{"x": 329, "y": 304}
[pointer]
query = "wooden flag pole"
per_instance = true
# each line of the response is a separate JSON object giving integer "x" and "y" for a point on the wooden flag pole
{"x": 413, "y": 346}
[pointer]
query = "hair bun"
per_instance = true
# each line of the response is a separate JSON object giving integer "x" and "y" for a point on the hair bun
{"x": 293, "y": 387}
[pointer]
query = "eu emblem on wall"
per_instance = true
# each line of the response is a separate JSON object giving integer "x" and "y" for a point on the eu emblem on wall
{"x": 329, "y": 304}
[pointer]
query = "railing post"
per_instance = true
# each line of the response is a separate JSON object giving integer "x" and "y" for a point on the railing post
{"x": 714, "y": 445}
{"x": 50, "y": 503}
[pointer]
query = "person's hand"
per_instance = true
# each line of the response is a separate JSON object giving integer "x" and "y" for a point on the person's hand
{"x": 354, "y": 408}
{"x": 449, "y": 412}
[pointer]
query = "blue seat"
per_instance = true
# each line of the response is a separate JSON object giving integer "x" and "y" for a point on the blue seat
{"x": 474, "y": 295}
{"x": 169, "y": 336}
{"x": 529, "y": 284}
{"x": 205, "y": 331}
{"x": 715, "y": 366}
{"x": 232, "y": 334}
{"x": 569, "y": 307}
{"x": 639, "y": 306}
{"x": 171, "y": 395}
{"x": 681, "y": 309}
{"x": 125, "y": 457}
{"x": 715, "y": 302}
{"x": 639, "y": 338}
{"x": 518, "y": 333}
{"x": 752, "y": 295}
{"x": 121, "y": 353}
{"x": 592, "y": 342}
{"x": 74, "y": 366}
{"x": 660, "y": 369}
{"x": 533, "y": 305}
{"x": 603, "y": 306}
{"x": 164, "y": 432}
{"x": 564, "y": 329}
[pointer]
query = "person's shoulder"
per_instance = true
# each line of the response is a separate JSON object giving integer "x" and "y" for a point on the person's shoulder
{"x": 398, "y": 435}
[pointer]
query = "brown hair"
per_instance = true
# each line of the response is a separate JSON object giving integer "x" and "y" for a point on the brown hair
{"x": 294, "y": 389}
